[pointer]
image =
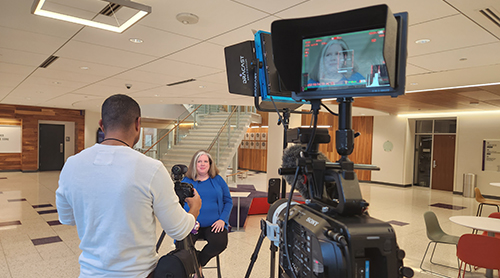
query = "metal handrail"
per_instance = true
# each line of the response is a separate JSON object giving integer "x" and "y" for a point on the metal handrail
{"x": 221, "y": 129}
{"x": 173, "y": 128}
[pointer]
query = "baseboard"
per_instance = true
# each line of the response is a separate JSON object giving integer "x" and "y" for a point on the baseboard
{"x": 388, "y": 183}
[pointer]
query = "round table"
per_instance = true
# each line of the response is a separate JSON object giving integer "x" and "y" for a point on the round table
{"x": 491, "y": 225}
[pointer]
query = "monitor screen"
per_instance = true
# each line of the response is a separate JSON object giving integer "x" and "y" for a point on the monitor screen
{"x": 344, "y": 61}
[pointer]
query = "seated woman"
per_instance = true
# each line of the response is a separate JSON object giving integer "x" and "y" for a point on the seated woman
{"x": 216, "y": 205}
{"x": 335, "y": 65}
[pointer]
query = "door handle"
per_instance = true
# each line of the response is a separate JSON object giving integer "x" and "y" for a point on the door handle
{"x": 434, "y": 164}
{"x": 61, "y": 148}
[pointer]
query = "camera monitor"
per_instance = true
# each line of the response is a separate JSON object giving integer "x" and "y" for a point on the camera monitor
{"x": 349, "y": 54}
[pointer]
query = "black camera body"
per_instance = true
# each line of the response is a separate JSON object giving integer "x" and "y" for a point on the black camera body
{"x": 182, "y": 189}
{"x": 322, "y": 246}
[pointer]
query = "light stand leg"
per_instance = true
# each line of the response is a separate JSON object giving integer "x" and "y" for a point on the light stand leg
{"x": 255, "y": 253}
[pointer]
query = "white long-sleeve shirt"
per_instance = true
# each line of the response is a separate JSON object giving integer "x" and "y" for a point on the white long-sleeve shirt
{"x": 112, "y": 194}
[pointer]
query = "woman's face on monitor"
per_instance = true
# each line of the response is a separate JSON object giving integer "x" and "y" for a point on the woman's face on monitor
{"x": 334, "y": 57}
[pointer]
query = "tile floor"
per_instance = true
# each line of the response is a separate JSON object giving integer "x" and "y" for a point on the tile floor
{"x": 34, "y": 244}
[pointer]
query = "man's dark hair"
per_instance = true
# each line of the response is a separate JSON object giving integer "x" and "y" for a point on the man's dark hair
{"x": 119, "y": 112}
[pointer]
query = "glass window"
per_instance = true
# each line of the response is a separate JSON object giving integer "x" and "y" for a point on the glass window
{"x": 423, "y": 126}
{"x": 445, "y": 126}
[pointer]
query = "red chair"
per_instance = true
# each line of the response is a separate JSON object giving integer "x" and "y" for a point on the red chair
{"x": 493, "y": 215}
{"x": 478, "y": 250}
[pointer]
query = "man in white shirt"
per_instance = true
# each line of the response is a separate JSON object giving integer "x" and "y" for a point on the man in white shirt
{"x": 113, "y": 193}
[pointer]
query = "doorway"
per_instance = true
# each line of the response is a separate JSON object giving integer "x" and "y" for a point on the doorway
{"x": 434, "y": 163}
{"x": 50, "y": 147}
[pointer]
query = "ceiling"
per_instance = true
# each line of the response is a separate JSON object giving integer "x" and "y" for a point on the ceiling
{"x": 464, "y": 50}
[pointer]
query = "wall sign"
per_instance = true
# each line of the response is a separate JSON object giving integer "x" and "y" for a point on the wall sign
{"x": 491, "y": 155}
{"x": 10, "y": 139}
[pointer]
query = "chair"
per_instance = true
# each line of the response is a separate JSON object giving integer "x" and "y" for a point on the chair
{"x": 493, "y": 215}
{"x": 219, "y": 275}
{"x": 436, "y": 235}
{"x": 478, "y": 250}
{"x": 483, "y": 201}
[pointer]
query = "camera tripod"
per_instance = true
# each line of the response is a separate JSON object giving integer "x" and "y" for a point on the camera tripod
{"x": 187, "y": 243}
{"x": 273, "y": 248}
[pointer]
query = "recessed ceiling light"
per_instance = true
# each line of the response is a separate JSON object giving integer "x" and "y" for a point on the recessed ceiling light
{"x": 422, "y": 41}
{"x": 136, "y": 40}
{"x": 201, "y": 86}
{"x": 187, "y": 18}
{"x": 463, "y": 59}
{"x": 157, "y": 95}
{"x": 57, "y": 82}
{"x": 84, "y": 68}
{"x": 414, "y": 83}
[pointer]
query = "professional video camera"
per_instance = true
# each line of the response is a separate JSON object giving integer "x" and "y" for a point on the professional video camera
{"x": 350, "y": 54}
{"x": 182, "y": 189}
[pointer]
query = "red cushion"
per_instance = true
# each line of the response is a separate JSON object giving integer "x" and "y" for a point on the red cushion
{"x": 261, "y": 206}
{"x": 258, "y": 206}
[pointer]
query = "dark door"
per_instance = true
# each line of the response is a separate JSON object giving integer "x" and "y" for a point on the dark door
{"x": 423, "y": 162}
{"x": 51, "y": 147}
{"x": 443, "y": 168}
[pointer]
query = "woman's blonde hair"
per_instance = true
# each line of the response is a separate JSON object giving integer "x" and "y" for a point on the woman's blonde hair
{"x": 192, "y": 172}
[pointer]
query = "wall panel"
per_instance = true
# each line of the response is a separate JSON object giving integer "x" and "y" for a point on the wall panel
{"x": 28, "y": 117}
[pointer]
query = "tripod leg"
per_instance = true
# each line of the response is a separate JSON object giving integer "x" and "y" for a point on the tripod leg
{"x": 273, "y": 249}
{"x": 189, "y": 245}
{"x": 255, "y": 253}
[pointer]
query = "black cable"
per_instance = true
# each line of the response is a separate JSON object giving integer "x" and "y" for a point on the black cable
{"x": 313, "y": 133}
{"x": 328, "y": 109}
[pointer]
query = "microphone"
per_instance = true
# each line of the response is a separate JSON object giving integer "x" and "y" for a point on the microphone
{"x": 290, "y": 157}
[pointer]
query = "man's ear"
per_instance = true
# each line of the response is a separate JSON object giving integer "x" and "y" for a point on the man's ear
{"x": 138, "y": 124}
{"x": 100, "y": 125}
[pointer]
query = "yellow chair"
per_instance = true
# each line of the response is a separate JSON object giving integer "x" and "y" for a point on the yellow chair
{"x": 483, "y": 201}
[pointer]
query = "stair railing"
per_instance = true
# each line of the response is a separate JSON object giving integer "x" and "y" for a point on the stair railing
{"x": 228, "y": 127}
{"x": 176, "y": 127}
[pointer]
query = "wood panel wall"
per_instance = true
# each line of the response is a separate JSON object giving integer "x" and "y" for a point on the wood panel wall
{"x": 10, "y": 161}
{"x": 29, "y": 117}
{"x": 254, "y": 159}
{"x": 362, "y": 153}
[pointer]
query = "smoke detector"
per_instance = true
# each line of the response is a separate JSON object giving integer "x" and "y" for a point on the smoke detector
{"x": 187, "y": 18}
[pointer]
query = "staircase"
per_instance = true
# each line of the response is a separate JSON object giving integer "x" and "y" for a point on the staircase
{"x": 205, "y": 132}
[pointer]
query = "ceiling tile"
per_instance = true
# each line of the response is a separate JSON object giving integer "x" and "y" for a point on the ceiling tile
{"x": 17, "y": 40}
{"x": 182, "y": 70}
{"x": 419, "y": 11}
{"x": 17, "y": 15}
{"x": 86, "y": 52}
{"x": 156, "y": 42}
{"x": 244, "y": 33}
{"x": 215, "y": 17}
{"x": 476, "y": 56}
{"x": 448, "y": 33}
{"x": 197, "y": 55}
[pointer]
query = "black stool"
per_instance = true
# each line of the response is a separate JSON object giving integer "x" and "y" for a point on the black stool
{"x": 219, "y": 275}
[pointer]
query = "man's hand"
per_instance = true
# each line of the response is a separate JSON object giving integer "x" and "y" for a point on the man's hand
{"x": 194, "y": 204}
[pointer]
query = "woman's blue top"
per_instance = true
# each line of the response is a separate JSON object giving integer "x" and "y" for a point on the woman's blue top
{"x": 216, "y": 201}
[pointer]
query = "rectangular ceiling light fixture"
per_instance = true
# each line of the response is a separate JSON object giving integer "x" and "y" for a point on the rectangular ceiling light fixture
{"x": 142, "y": 11}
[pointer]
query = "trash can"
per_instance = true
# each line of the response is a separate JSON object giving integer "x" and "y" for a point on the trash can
{"x": 469, "y": 185}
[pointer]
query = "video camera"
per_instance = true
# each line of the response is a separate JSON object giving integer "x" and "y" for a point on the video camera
{"x": 339, "y": 56}
{"x": 182, "y": 189}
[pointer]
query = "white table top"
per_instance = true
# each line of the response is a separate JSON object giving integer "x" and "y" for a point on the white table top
{"x": 479, "y": 223}
{"x": 495, "y": 183}
{"x": 240, "y": 194}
